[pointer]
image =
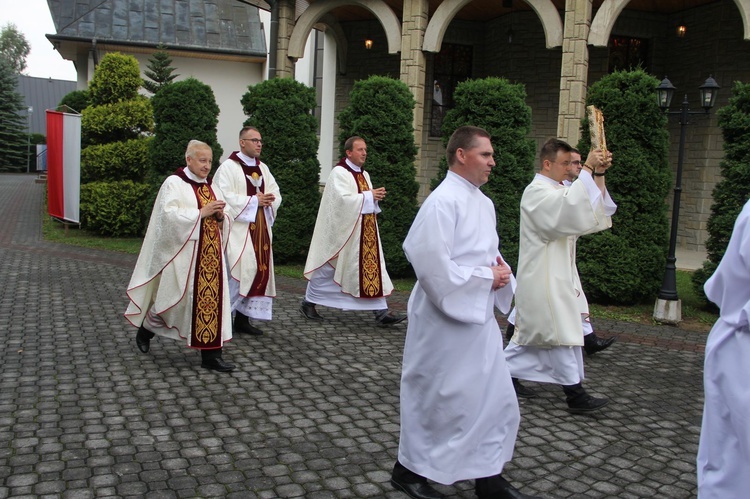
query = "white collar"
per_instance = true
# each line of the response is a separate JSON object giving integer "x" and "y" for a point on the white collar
{"x": 192, "y": 176}
{"x": 247, "y": 159}
{"x": 353, "y": 166}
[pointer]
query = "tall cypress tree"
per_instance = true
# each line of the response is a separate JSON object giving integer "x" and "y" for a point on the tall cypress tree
{"x": 499, "y": 107}
{"x": 281, "y": 109}
{"x": 733, "y": 191}
{"x": 380, "y": 111}
{"x": 13, "y": 138}
{"x": 625, "y": 265}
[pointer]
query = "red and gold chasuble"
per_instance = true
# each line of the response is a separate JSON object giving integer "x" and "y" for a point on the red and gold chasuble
{"x": 207, "y": 282}
{"x": 258, "y": 229}
{"x": 370, "y": 279}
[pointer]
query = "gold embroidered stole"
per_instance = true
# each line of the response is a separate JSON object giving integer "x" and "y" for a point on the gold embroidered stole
{"x": 259, "y": 232}
{"x": 370, "y": 279}
{"x": 207, "y": 281}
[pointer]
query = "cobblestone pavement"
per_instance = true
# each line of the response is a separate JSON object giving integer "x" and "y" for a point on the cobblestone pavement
{"x": 311, "y": 411}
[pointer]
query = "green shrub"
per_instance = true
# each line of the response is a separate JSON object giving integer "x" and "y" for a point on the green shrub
{"x": 115, "y": 209}
{"x": 380, "y": 110}
{"x": 126, "y": 160}
{"x": 625, "y": 264}
{"x": 499, "y": 107}
{"x": 77, "y": 100}
{"x": 175, "y": 126}
{"x": 122, "y": 120}
{"x": 733, "y": 191}
{"x": 117, "y": 78}
{"x": 281, "y": 109}
{"x": 112, "y": 130}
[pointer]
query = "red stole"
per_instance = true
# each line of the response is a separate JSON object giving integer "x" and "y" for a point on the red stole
{"x": 207, "y": 281}
{"x": 259, "y": 233}
{"x": 370, "y": 279}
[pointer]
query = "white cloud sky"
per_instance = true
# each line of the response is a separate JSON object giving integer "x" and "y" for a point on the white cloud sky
{"x": 32, "y": 18}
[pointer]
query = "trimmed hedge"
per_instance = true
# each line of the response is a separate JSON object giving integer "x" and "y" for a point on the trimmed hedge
{"x": 116, "y": 209}
{"x": 122, "y": 120}
{"x": 126, "y": 160}
{"x": 117, "y": 78}
{"x": 733, "y": 191}
{"x": 77, "y": 100}
{"x": 380, "y": 111}
{"x": 625, "y": 265}
{"x": 114, "y": 202}
{"x": 281, "y": 109}
{"x": 500, "y": 108}
{"x": 183, "y": 111}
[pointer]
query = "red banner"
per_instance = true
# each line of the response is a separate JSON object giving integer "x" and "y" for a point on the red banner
{"x": 64, "y": 165}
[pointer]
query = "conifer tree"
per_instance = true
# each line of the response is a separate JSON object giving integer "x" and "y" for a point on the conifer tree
{"x": 13, "y": 138}
{"x": 733, "y": 191}
{"x": 159, "y": 71}
{"x": 380, "y": 110}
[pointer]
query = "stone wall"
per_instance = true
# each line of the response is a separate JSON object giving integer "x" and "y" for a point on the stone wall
{"x": 713, "y": 46}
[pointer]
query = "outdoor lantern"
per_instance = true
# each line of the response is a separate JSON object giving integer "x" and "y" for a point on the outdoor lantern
{"x": 681, "y": 30}
{"x": 368, "y": 43}
{"x": 708, "y": 90}
{"x": 665, "y": 92}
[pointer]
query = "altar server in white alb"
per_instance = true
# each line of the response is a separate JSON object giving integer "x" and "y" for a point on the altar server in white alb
{"x": 179, "y": 285}
{"x": 459, "y": 415}
{"x": 345, "y": 263}
{"x": 591, "y": 342}
{"x": 253, "y": 198}
{"x": 724, "y": 449}
{"x": 546, "y": 343}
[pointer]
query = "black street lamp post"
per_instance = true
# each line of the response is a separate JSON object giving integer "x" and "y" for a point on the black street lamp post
{"x": 664, "y": 311}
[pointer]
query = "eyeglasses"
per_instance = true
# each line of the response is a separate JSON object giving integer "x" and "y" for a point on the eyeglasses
{"x": 254, "y": 141}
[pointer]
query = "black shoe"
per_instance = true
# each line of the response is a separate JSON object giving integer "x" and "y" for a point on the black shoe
{"x": 497, "y": 487}
{"x": 586, "y": 405}
{"x": 592, "y": 343}
{"x": 579, "y": 401}
{"x": 388, "y": 319}
{"x": 143, "y": 339}
{"x": 242, "y": 325}
{"x": 412, "y": 484}
{"x": 523, "y": 391}
{"x": 416, "y": 490}
{"x": 308, "y": 310}
{"x": 217, "y": 364}
{"x": 509, "y": 332}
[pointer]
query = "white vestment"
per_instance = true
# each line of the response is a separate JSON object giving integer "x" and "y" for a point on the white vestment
{"x": 241, "y": 257}
{"x": 332, "y": 267}
{"x": 163, "y": 281}
{"x": 724, "y": 449}
{"x": 459, "y": 413}
{"x": 548, "y": 330}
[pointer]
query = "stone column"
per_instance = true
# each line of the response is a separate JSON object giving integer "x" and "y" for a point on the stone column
{"x": 413, "y": 71}
{"x": 285, "y": 65}
{"x": 575, "y": 69}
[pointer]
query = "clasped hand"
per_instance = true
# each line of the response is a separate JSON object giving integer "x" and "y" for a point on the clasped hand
{"x": 215, "y": 208}
{"x": 265, "y": 199}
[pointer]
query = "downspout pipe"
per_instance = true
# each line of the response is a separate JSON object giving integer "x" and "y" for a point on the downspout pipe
{"x": 273, "y": 45}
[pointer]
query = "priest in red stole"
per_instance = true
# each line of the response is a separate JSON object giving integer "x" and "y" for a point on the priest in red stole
{"x": 345, "y": 265}
{"x": 253, "y": 199}
{"x": 179, "y": 285}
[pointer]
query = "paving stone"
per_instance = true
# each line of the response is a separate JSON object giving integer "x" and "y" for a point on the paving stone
{"x": 311, "y": 411}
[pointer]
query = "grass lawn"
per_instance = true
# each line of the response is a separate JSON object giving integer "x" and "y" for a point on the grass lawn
{"x": 694, "y": 315}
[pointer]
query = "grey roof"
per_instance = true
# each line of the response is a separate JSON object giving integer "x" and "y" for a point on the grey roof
{"x": 205, "y": 25}
{"x": 42, "y": 94}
